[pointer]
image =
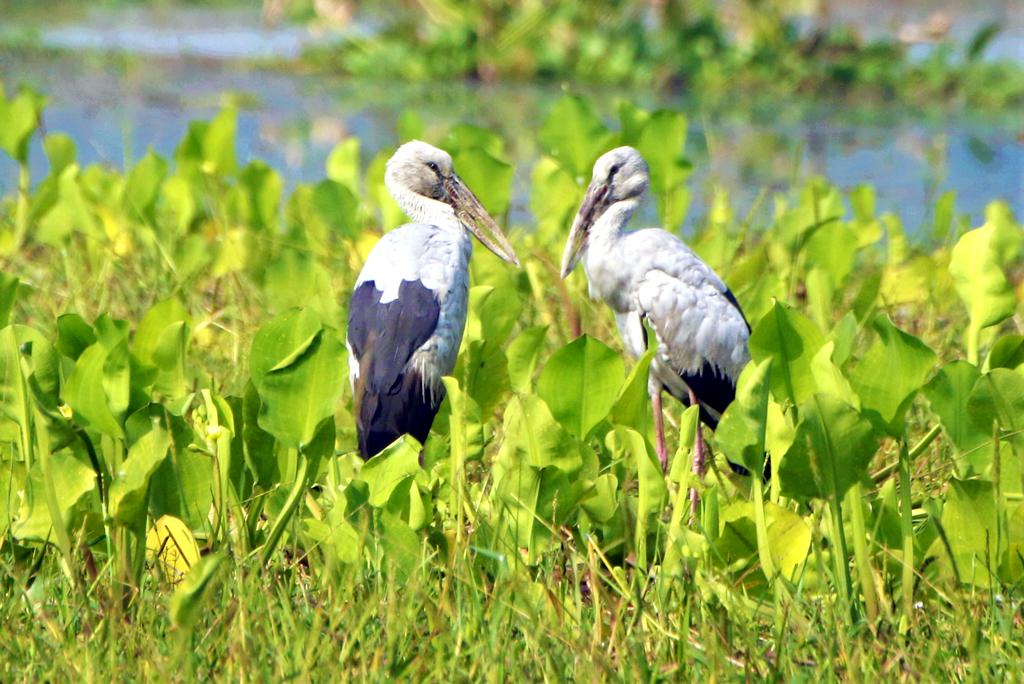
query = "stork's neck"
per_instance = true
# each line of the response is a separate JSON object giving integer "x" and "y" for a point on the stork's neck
{"x": 609, "y": 226}
{"x": 423, "y": 209}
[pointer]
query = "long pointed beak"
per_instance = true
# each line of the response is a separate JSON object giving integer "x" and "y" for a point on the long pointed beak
{"x": 592, "y": 207}
{"x": 473, "y": 215}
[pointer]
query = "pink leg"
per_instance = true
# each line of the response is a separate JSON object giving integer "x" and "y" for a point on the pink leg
{"x": 659, "y": 429}
{"x": 698, "y": 462}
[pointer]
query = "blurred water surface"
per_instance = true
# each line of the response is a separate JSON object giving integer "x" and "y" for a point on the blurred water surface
{"x": 183, "y": 64}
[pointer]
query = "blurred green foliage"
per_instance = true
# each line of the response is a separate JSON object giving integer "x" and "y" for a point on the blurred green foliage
{"x": 699, "y": 46}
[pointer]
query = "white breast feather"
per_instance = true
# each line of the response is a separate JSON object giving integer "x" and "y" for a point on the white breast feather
{"x": 439, "y": 259}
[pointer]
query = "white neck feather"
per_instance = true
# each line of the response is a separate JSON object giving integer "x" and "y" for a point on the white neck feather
{"x": 608, "y": 227}
{"x": 422, "y": 209}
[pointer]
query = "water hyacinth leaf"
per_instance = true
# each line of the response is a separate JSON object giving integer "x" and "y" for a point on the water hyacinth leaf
{"x": 554, "y": 198}
{"x": 71, "y": 479}
{"x": 297, "y": 367}
{"x": 193, "y": 591}
{"x": 522, "y": 355}
{"x": 493, "y": 312}
{"x": 489, "y": 176}
{"x": 602, "y": 502}
{"x": 464, "y": 136}
{"x": 142, "y": 186}
{"x": 661, "y": 144}
{"x": 1007, "y": 352}
{"x": 580, "y": 383}
{"x": 161, "y": 341}
{"x": 401, "y": 546}
{"x": 741, "y": 432}
{"x": 484, "y": 372}
{"x": 830, "y": 379}
{"x": 343, "y": 164}
{"x": 391, "y": 468}
{"x": 831, "y": 451}
{"x": 336, "y": 208}
{"x": 465, "y": 423}
{"x": 8, "y": 296}
{"x": 970, "y": 520}
{"x": 535, "y": 439}
{"x": 69, "y": 214}
{"x": 85, "y": 394}
{"x": 60, "y": 152}
{"x": 219, "y": 144}
{"x": 998, "y": 396}
{"x": 632, "y": 406}
{"x": 74, "y": 335}
{"x": 129, "y": 488}
{"x": 632, "y": 120}
{"x": 791, "y": 340}
{"x": 20, "y": 117}
{"x": 948, "y": 394}
{"x": 631, "y": 446}
{"x": 891, "y": 372}
{"x": 789, "y": 538}
{"x": 171, "y": 544}
{"x": 263, "y": 188}
{"x": 574, "y": 136}
{"x": 977, "y": 264}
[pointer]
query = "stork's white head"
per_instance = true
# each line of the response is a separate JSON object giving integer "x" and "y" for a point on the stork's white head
{"x": 620, "y": 175}
{"x": 420, "y": 176}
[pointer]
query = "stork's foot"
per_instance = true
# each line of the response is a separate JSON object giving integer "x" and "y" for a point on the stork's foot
{"x": 660, "y": 447}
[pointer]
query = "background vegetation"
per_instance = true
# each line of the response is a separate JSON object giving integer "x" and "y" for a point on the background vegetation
{"x": 179, "y": 493}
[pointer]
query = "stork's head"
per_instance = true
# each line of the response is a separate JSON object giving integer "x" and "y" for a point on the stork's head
{"x": 620, "y": 175}
{"x": 419, "y": 175}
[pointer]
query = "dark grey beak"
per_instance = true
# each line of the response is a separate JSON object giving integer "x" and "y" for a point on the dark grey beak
{"x": 594, "y": 204}
{"x": 473, "y": 215}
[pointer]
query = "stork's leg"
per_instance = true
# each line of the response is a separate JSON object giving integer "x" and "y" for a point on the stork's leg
{"x": 698, "y": 462}
{"x": 659, "y": 428}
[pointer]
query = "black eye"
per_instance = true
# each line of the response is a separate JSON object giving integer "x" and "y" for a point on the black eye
{"x": 433, "y": 167}
{"x": 612, "y": 171}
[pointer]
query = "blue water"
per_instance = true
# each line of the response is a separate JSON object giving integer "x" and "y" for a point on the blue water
{"x": 180, "y": 69}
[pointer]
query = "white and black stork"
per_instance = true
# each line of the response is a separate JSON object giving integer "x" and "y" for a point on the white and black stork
{"x": 408, "y": 309}
{"x": 652, "y": 275}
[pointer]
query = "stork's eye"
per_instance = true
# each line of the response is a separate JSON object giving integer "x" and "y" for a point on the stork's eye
{"x": 612, "y": 171}
{"x": 433, "y": 167}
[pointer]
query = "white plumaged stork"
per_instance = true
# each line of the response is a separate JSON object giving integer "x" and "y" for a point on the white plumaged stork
{"x": 408, "y": 309}
{"x": 650, "y": 274}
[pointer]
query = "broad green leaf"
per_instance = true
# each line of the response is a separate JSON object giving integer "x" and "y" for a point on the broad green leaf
{"x": 388, "y": 470}
{"x": 484, "y": 372}
{"x": 129, "y": 488}
{"x": 8, "y": 296}
{"x": 891, "y": 372}
{"x": 190, "y": 595}
{"x": 72, "y": 480}
{"x": 142, "y": 186}
{"x": 74, "y": 335}
{"x": 977, "y": 264}
{"x": 970, "y": 522}
{"x": 171, "y": 544}
{"x": 263, "y": 187}
{"x": 602, "y": 502}
{"x": 661, "y": 144}
{"x": 554, "y": 198}
{"x": 832, "y": 450}
{"x": 633, "y": 405}
{"x": 343, "y": 164}
{"x": 948, "y": 394}
{"x": 791, "y": 340}
{"x": 298, "y": 369}
{"x": 651, "y": 492}
{"x": 580, "y": 382}
{"x": 161, "y": 341}
{"x": 830, "y": 379}
{"x": 522, "y": 355}
{"x": 789, "y": 538}
{"x": 489, "y": 177}
{"x": 742, "y": 430}
{"x": 998, "y": 396}
{"x": 60, "y": 151}
{"x": 402, "y": 548}
{"x": 573, "y": 135}
{"x": 20, "y": 117}
{"x": 219, "y": 144}
{"x": 85, "y": 391}
{"x": 1007, "y": 352}
{"x": 465, "y": 424}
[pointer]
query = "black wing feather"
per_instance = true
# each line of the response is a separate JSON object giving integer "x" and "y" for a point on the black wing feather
{"x": 392, "y": 399}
